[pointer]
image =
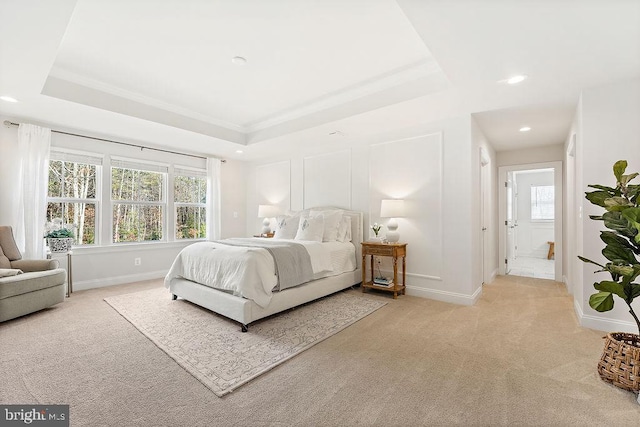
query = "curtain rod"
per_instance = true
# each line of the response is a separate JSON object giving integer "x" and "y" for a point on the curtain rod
{"x": 141, "y": 147}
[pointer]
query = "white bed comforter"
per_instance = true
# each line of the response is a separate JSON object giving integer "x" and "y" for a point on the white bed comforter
{"x": 248, "y": 272}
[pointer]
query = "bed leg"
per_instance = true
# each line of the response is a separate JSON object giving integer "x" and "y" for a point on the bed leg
{"x": 174, "y": 297}
{"x": 245, "y": 328}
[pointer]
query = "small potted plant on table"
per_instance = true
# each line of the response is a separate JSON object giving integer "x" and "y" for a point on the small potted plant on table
{"x": 59, "y": 236}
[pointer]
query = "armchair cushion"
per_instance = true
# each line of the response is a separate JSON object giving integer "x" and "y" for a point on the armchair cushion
{"x": 7, "y": 272}
{"x": 42, "y": 284}
{"x": 8, "y": 244}
{"x": 4, "y": 261}
{"x": 32, "y": 282}
{"x": 28, "y": 265}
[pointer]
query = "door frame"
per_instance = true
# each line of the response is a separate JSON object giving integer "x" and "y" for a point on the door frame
{"x": 558, "y": 203}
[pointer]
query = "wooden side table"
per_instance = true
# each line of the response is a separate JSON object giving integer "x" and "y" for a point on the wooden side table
{"x": 393, "y": 250}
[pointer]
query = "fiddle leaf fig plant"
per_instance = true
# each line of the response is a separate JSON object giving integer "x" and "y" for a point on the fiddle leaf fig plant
{"x": 622, "y": 241}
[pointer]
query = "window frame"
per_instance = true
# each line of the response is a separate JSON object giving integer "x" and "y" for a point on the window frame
{"x": 80, "y": 157}
{"x": 533, "y": 191}
{"x": 143, "y": 166}
{"x": 185, "y": 171}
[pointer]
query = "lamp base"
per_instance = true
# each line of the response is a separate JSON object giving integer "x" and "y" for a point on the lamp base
{"x": 392, "y": 231}
{"x": 266, "y": 229}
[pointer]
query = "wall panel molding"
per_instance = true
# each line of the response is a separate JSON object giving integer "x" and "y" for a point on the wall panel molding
{"x": 273, "y": 184}
{"x": 412, "y": 169}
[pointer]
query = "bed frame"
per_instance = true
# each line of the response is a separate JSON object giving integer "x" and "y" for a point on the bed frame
{"x": 246, "y": 311}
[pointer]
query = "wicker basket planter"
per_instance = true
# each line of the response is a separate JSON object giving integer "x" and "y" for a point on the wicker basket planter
{"x": 620, "y": 361}
{"x": 59, "y": 244}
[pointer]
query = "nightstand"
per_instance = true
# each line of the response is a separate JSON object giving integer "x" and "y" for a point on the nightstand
{"x": 393, "y": 250}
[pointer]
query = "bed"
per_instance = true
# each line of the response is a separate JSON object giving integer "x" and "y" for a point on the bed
{"x": 248, "y": 293}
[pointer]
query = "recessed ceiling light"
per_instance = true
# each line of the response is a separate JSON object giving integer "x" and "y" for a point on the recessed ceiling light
{"x": 239, "y": 60}
{"x": 8, "y": 98}
{"x": 525, "y": 129}
{"x": 516, "y": 79}
{"x": 239, "y": 151}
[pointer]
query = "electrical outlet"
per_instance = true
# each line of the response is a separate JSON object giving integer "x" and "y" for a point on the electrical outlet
{"x": 137, "y": 261}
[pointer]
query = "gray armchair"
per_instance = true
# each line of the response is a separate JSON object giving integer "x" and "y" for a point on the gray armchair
{"x": 41, "y": 284}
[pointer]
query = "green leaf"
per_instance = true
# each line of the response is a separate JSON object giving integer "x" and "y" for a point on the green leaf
{"x": 612, "y": 191}
{"x": 618, "y": 168}
{"x": 610, "y": 237}
{"x": 622, "y": 270}
{"x": 619, "y": 254}
{"x": 624, "y": 179}
{"x": 635, "y": 290}
{"x": 633, "y": 216}
{"x": 632, "y": 192}
{"x": 602, "y": 301}
{"x": 617, "y": 204}
{"x": 583, "y": 259}
{"x": 598, "y": 197}
{"x": 615, "y": 221}
{"x": 611, "y": 287}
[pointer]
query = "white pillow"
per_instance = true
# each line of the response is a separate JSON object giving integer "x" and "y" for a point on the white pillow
{"x": 310, "y": 228}
{"x": 286, "y": 227}
{"x": 332, "y": 220}
{"x": 344, "y": 231}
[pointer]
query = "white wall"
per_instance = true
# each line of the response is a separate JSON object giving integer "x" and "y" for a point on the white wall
{"x": 435, "y": 168}
{"x": 114, "y": 264}
{"x": 549, "y": 153}
{"x": 608, "y": 130}
{"x": 233, "y": 200}
{"x": 8, "y": 174}
{"x": 486, "y": 188}
{"x": 531, "y": 237}
{"x": 572, "y": 209}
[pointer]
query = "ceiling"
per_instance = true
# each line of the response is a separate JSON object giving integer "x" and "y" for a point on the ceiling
{"x": 316, "y": 73}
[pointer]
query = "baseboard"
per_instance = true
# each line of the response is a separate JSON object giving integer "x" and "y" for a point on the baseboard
{"x": 493, "y": 275}
{"x": 602, "y": 324}
{"x": 445, "y": 296}
{"x": 118, "y": 280}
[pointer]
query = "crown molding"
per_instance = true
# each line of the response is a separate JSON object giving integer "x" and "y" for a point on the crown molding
{"x": 370, "y": 86}
{"x": 85, "y": 81}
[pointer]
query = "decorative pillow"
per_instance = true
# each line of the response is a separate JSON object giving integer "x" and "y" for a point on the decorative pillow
{"x": 344, "y": 231}
{"x": 332, "y": 220}
{"x": 6, "y": 272}
{"x": 310, "y": 228}
{"x": 286, "y": 227}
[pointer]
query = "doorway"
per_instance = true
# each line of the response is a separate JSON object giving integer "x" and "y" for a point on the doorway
{"x": 531, "y": 211}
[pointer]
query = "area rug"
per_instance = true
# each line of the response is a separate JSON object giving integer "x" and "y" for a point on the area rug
{"x": 212, "y": 348}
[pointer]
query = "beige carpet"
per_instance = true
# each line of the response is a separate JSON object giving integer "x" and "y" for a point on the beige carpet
{"x": 213, "y": 349}
{"x": 516, "y": 358}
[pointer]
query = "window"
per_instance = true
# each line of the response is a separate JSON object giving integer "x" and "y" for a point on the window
{"x": 190, "y": 202}
{"x": 72, "y": 195}
{"x": 138, "y": 201}
{"x": 542, "y": 202}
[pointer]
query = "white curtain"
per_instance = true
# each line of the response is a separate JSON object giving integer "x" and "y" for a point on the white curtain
{"x": 213, "y": 198}
{"x": 33, "y": 147}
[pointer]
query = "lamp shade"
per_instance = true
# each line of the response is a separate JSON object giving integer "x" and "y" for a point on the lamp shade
{"x": 267, "y": 211}
{"x": 391, "y": 208}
